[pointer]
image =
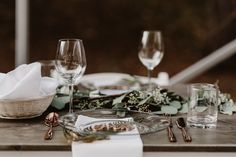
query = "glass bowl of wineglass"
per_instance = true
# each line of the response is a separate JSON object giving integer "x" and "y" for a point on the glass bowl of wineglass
{"x": 70, "y": 63}
{"x": 151, "y": 51}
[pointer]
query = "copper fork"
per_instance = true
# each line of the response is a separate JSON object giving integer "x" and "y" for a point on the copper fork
{"x": 171, "y": 135}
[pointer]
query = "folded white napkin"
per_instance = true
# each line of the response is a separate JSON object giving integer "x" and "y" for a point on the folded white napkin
{"x": 26, "y": 82}
{"x": 116, "y": 146}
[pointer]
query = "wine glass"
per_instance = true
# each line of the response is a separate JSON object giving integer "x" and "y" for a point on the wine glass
{"x": 151, "y": 51}
{"x": 70, "y": 63}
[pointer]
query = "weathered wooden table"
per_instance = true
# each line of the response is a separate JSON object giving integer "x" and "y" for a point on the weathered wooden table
{"x": 25, "y": 137}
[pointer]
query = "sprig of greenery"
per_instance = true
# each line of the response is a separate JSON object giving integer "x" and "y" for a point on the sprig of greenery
{"x": 226, "y": 104}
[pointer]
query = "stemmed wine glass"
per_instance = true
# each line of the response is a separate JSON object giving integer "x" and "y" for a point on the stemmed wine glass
{"x": 151, "y": 51}
{"x": 70, "y": 63}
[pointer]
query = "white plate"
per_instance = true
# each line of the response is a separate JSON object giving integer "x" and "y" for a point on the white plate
{"x": 104, "y": 79}
{"x": 107, "y": 79}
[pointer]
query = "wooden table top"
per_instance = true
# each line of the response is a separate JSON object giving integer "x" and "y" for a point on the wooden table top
{"x": 28, "y": 135}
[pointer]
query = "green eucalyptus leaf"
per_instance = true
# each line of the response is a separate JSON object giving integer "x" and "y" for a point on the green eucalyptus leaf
{"x": 119, "y": 106}
{"x": 176, "y": 104}
{"x": 118, "y": 100}
{"x": 184, "y": 108}
{"x": 169, "y": 110}
{"x": 60, "y": 102}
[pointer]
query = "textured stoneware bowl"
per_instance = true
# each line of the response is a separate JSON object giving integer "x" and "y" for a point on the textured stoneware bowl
{"x": 23, "y": 109}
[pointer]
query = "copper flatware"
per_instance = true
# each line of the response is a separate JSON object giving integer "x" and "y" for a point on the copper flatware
{"x": 181, "y": 125}
{"x": 171, "y": 135}
{"x": 51, "y": 121}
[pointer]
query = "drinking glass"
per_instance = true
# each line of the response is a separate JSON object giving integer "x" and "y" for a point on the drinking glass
{"x": 151, "y": 51}
{"x": 70, "y": 63}
{"x": 203, "y": 105}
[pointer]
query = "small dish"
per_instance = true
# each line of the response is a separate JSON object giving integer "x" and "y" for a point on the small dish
{"x": 144, "y": 123}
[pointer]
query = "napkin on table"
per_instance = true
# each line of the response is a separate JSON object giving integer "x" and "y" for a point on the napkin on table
{"x": 116, "y": 146}
{"x": 26, "y": 82}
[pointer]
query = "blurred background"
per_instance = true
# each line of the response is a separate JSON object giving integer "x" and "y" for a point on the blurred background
{"x": 111, "y": 31}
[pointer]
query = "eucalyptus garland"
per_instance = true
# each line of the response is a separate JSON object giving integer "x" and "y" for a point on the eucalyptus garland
{"x": 159, "y": 101}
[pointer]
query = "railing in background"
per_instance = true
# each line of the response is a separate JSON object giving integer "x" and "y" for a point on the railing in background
{"x": 204, "y": 64}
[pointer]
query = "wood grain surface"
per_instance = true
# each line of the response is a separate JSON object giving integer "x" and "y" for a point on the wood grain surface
{"x": 28, "y": 135}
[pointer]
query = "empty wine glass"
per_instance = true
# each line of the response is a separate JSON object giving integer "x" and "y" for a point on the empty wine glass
{"x": 151, "y": 51}
{"x": 70, "y": 63}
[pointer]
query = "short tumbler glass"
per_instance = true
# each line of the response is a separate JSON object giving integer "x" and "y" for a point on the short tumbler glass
{"x": 203, "y": 105}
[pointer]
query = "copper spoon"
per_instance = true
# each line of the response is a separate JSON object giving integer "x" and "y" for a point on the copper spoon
{"x": 51, "y": 121}
{"x": 181, "y": 125}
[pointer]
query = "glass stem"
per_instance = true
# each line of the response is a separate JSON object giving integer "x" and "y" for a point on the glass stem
{"x": 149, "y": 79}
{"x": 71, "y": 91}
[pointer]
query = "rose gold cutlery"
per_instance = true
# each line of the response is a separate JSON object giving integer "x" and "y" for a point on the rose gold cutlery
{"x": 171, "y": 135}
{"x": 51, "y": 121}
{"x": 181, "y": 125}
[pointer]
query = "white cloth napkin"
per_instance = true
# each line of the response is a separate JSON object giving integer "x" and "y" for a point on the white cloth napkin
{"x": 26, "y": 82}
{"x": 116, "y": 146}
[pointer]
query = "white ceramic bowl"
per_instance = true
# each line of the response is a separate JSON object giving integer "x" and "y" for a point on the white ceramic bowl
{"x": 23, "y": 109}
